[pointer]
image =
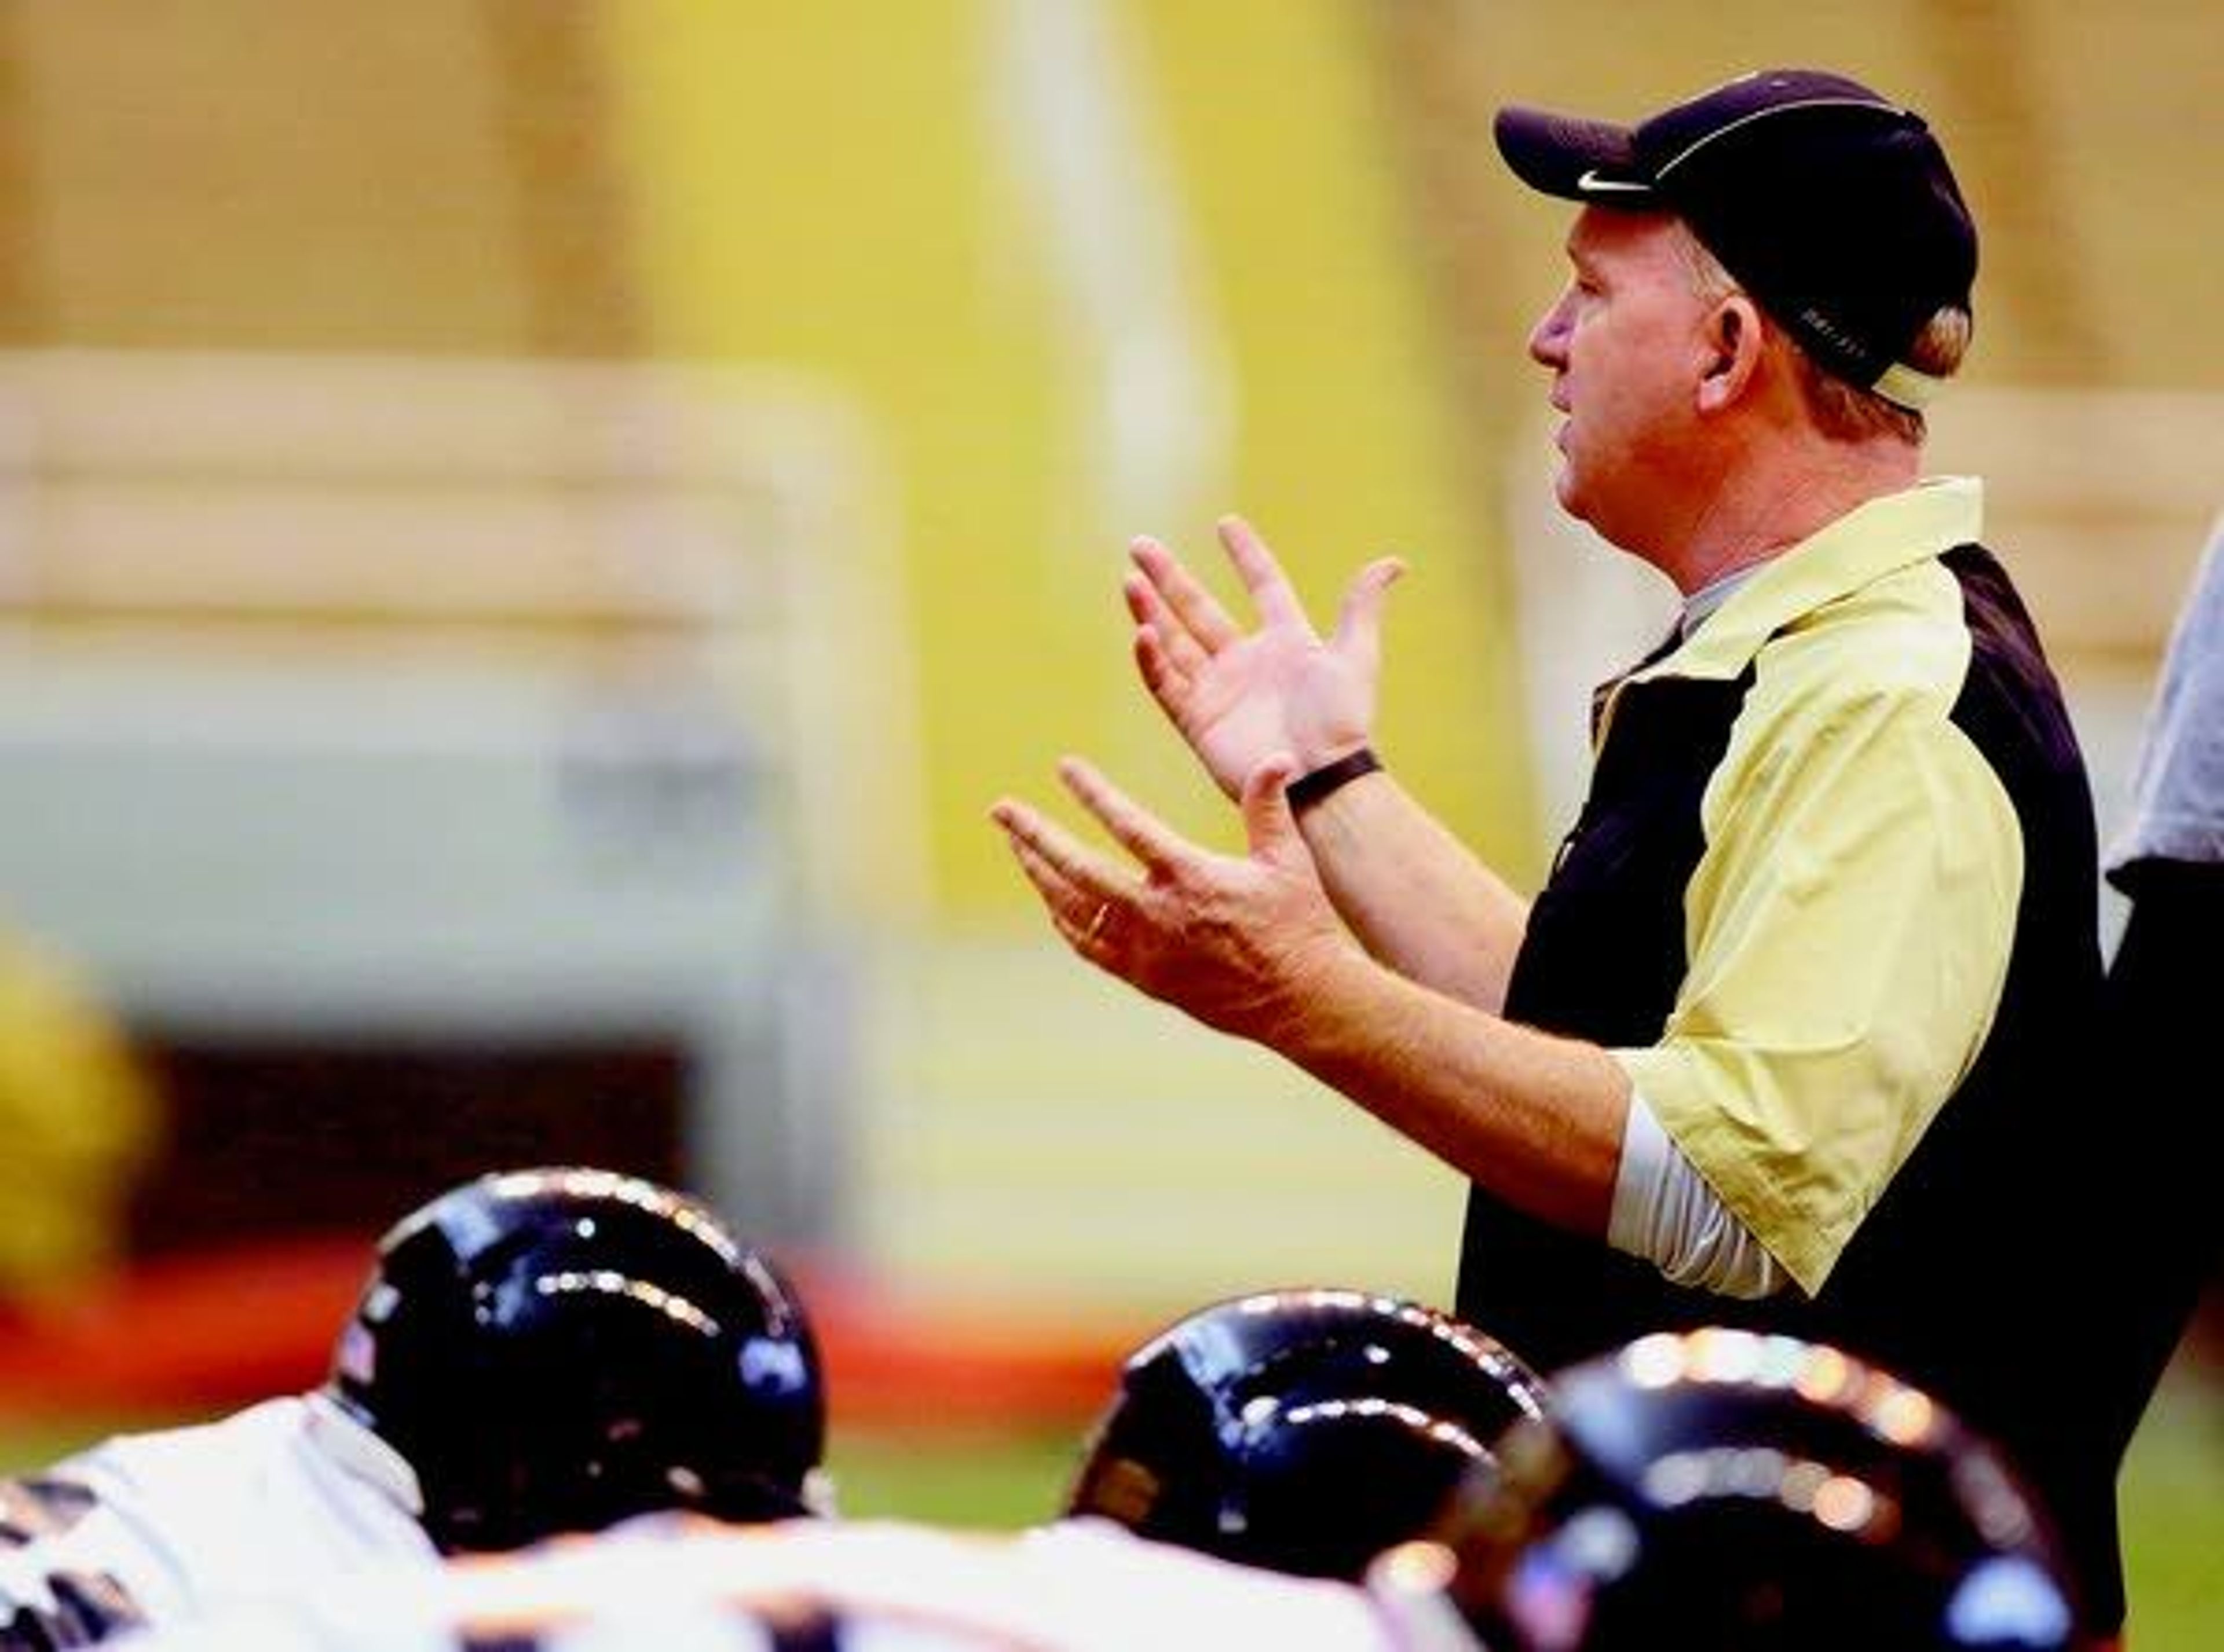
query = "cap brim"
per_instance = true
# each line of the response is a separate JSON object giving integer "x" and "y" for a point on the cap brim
{"x": 1575, "y": 158}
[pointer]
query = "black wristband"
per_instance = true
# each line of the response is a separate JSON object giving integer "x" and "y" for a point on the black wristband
{"x": 1310, "y": 788}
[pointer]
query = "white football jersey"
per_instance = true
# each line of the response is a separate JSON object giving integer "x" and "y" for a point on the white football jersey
{"x": 162, "y": 1526}
{"x": 673, "y": 1583}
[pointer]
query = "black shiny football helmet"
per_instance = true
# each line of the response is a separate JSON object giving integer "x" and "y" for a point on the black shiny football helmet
{"x": 1303, "y": 1430}
{"x": 553, "y": 1350}
{"x": 1740, "y": 1493}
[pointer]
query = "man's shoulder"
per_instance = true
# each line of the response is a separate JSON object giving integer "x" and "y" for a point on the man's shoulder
{"x": 1901, "y": 637}
{"x": 237, "y": 1438}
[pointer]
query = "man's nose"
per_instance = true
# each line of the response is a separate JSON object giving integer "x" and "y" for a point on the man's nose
{"x": 1548, "y": 338}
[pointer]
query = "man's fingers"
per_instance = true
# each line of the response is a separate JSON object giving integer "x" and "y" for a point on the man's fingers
{"x": 1358, "y": 621}
{"x": 1077, "y": 915}
{"x": 1070, "y": 877}
{"x": 1087, "y": 898}
{"x": 1143, "y": 835}
{"x": 1268, "y": 824}
{"x": 1262, "y": 576}
{"x": 1152, "y": 614}
{"x": 1160, "y": 675}
{"x": 1199, "y": 610}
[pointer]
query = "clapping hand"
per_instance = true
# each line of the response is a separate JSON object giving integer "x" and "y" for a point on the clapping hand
{"x": 1239, "y": 697}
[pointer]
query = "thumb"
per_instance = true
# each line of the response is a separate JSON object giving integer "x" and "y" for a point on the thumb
{"x": 1268, "y": 825}
{"x": 1359, "y": 619}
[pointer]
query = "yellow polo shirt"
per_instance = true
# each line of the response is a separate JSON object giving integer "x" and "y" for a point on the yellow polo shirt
{"x": 1849, "y": 921}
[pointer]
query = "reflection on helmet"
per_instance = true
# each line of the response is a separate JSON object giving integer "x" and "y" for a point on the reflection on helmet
{"x": 1305, "y": 1430}
{"x": 556, "y": 1349}
{"x": 1742, "y": 1493}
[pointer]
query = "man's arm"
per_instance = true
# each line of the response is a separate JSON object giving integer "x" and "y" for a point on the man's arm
{"x": 1417, "y": 897}
{"x": 1535, "y": 1118}
{"x": 1250, "y": 945}
{"x": 1552, "y": 1125}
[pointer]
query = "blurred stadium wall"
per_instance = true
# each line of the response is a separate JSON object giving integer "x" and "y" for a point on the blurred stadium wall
{"x": 532, "y": 531}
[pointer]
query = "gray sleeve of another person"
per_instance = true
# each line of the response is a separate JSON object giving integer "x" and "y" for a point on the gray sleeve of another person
{"x": 2177, "y": 810}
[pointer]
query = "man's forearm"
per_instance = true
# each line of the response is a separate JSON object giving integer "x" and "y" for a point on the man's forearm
{"x": 1417, "y": 897}
{"x": 1536, "y": 1119}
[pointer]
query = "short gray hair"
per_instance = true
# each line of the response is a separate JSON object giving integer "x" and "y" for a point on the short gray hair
{"x": 1842, "y": 408}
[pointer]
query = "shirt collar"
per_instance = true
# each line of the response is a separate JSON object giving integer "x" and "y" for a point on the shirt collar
{"x": 1880, "y": 537}
{"x": 1708, "y": 597}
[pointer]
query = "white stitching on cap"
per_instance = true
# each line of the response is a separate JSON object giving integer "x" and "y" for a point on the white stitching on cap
{"x": 1678, "y": 160}
{"x": 1904, "y": 385}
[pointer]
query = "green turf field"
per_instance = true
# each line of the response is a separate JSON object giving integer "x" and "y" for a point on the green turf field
{"x": 2173, "y": 1512}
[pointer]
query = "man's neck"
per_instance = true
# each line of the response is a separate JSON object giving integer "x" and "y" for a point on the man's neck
{"x": 1757, "y": 511}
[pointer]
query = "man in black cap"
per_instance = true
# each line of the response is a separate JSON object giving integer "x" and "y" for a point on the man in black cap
{"x": 1791, "y": 1035}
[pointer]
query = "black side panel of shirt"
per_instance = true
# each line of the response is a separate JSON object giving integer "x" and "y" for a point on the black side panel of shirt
{"x": 1601, "y": 960}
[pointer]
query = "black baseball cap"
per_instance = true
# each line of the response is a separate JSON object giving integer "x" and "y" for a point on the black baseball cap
{"x": 1831, "y": 204}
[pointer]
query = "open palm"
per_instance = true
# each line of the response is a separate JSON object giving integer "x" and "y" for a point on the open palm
{"x": 1238, "y": 697}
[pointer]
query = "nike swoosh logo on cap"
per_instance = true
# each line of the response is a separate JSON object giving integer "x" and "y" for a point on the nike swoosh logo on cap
{"x": 1591, "y": 184}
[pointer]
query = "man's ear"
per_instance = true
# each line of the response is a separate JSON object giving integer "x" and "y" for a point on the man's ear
{"x": 1734, "y": 342}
